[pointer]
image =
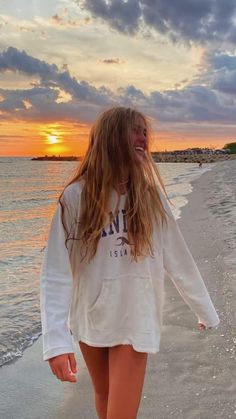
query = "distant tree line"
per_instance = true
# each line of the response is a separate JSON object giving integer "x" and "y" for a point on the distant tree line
{"x": 230, "y": 147}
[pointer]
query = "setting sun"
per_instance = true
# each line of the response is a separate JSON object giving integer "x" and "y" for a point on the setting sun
{"x": 52, "y": 139}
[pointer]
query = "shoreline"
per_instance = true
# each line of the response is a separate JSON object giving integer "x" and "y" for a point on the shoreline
{"x": 158, "y": 158}
{"x": 194, "y": 158}
{"x": 200, "y": 363}
{"x": 195, "y": 361}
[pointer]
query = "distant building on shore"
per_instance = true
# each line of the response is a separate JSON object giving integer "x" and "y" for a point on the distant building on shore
{"x": 194, "y": 151}
{"x": 192, "y": 155}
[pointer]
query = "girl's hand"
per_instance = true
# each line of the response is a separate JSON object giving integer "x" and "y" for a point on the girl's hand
{"x": 64, "y": 367}
{"x": 202, "y": 326}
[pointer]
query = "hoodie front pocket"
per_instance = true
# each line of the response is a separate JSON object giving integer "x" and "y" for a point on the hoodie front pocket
{"x": 125, "y": 302}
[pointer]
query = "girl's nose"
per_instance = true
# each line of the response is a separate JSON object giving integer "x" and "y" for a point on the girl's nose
{"x": 142, "y": 135}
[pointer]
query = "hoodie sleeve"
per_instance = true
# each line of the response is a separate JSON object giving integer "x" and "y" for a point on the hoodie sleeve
{"x": 56, "y": 289}
{"x": 181, "y": 267}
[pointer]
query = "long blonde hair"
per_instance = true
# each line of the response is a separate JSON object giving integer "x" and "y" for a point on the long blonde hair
{"x": 109, "y": 152}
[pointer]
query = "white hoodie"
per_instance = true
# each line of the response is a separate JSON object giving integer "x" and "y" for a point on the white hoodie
{"x": 113, "y": 300}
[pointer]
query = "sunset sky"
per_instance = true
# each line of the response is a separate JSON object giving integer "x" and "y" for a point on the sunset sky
{"x": 64, "y": 61}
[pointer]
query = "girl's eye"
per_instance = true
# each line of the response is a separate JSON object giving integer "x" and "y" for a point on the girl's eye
{"x": 138, "y": 130}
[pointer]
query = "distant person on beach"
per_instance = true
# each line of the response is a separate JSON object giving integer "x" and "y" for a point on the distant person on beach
{"x": 199, "y": 164}
{"x": 112, "y": 238}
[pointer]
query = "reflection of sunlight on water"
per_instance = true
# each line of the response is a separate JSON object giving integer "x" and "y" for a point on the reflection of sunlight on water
{"x": 59, "y": 172}
{"x": 23, "y": 215}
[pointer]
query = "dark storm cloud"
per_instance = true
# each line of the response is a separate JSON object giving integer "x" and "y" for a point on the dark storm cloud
{"x": 219, "y": 61}
{"x": 225, "y": 81}
{"x": 50, "y": 76}
{"x": 192, "y": 20}
{"x": 121, "y": 15}
{"x": 132, "y": 93}
{"x": 222, "y": 76}
{"x": 85, "y": 101}
{"x": 191, "y": 104}
{"x": 15, "y": 60}
{"x": 44, "y": 106}
{"x": 41, "y": 102}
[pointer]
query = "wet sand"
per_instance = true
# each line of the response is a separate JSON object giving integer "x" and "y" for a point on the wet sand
{"x": 194, "y": 374}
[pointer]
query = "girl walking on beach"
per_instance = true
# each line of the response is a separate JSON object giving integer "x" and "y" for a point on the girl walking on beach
{"x": 112, "y": 238}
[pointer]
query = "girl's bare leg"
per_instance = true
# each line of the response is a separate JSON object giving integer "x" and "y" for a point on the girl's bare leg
{"x": 96, "y": 360}
{"x": 126, "y": 377}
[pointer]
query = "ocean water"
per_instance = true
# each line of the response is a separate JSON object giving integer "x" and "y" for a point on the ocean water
{"x": 28, "y": 194}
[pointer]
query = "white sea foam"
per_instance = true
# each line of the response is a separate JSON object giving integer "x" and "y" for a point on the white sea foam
{"x": 177, "y": 178}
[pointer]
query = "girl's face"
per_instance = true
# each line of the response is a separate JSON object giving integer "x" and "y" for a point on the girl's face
{"x": 139, "y": 139}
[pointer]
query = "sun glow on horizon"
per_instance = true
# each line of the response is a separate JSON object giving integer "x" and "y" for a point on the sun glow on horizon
{"x": 52, "y": 139}
{"x": 67, "y": 139}
{"x": 55, "y": 142}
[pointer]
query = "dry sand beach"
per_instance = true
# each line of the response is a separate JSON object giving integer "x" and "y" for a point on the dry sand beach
{"x": 194, "y": 374}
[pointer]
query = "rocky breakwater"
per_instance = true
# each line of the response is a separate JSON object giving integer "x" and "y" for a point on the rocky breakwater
{"x": 56, "y": 158}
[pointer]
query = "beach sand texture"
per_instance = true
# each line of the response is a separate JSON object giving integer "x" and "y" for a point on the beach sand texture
{"x": 194, "y": 374}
